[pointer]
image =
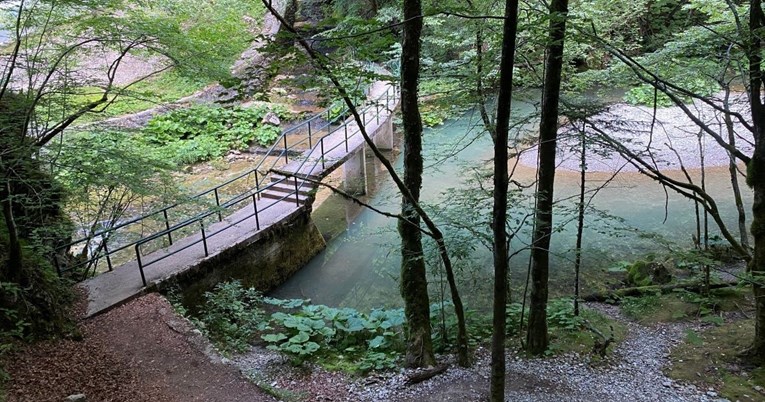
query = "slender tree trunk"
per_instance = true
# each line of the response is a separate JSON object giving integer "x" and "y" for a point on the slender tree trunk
{"x": 580, "y": 220}
{"x": 14, "y": 268}
{"x": 414, "y": 283}
{"x": 756, "y": 173}
{"x": 536, "y": 340}
{"x": 743, "y": 233}
{"x": 499, "y": 215}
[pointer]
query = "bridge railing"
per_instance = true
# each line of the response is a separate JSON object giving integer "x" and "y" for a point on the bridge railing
{"x": 253, "y": 180}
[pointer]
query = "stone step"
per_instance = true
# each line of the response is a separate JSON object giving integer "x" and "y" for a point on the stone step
{"x": 288, "y": 187}
{"x": 285, "y": 197}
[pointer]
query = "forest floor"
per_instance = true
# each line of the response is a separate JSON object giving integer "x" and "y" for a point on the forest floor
{"x": 144, "y": 351}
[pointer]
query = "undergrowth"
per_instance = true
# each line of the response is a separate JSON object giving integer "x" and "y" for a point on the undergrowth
{"x": 234, "y": 318}
{"x": 203, "y": 133}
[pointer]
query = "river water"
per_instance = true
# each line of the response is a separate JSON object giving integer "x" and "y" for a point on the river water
{"x": 628, "y": 218}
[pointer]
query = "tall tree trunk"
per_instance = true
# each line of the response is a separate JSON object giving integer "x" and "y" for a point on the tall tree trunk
{"x": 499, "y": 215}
{"x": 536, "y": 340}
{"x": 414, "y": 283}
{"x": 435, "y": 233}
{"x": 756, "y": 172}
{"x": 580, "y": 219}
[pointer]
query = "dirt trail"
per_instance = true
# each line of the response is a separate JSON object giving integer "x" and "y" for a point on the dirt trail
{"x": 139, "y": 352}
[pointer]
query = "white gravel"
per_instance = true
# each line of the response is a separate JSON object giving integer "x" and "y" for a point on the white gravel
{"x": 632, "y": 372}
{"x": 654, "y": 136}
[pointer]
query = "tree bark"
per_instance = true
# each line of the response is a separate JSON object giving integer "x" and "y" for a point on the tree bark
{"x": 743, "y": 233}
{"x": 580, "y": 219}
{"x": 15, "y": 257}
{"x": 756, "y": 173}
{"x": 414, "y": 283}
{"x": 499, "y": 214}
{"x": 536, "y": 340}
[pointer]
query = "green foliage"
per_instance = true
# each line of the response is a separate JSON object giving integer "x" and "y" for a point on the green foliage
{"x": 38, "y": 310}
{"x": 230, "y": 316}
{"x": 443, "y": 324}
{"x": 637, "y": 307}
{"x": 206, "y": 132}
{"x": 560, "y": 314}
{"x": 233, "y": 317}
{"x": 513, "y": 312}
{"x": 339, "y": 335}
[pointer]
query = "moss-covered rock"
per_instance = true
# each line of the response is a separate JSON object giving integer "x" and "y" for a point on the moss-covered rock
{"x": 645, "y": 273}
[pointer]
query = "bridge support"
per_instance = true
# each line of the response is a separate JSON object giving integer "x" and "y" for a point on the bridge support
{"x": 384, "y": 135}
{"x": 355, "y": 173}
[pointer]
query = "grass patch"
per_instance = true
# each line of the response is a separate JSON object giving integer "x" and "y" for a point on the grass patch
{"x": 652, "y": 309}
{"x": 683, "y": 305}
{"x": 711, "y": 358}
{"x": 165, "y": 87}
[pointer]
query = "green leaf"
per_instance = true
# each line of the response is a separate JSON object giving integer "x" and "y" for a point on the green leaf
{"x": 301, "y": 337}
{"x": 273, "y": 338}
{"x": 376, "y": 342}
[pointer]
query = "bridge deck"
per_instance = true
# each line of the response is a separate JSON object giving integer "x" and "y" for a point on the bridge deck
{"x": 124, "y": 282}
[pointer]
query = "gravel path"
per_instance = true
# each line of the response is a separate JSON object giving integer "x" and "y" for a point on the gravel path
{"x": 633, "y": 372}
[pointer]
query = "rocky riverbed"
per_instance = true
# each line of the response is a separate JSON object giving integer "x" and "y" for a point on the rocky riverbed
{"x": 667, "y": 137}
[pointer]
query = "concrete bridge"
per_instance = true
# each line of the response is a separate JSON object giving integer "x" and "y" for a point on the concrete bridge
{"x": 260, "y": 235}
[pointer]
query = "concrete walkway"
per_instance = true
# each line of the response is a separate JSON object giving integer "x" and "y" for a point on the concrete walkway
{"x": 116, "y": 287}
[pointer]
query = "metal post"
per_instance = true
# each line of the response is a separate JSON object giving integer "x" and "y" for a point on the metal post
{"x": 167, "y": 227}
{"x": 377, "y": 113}
{"x": 257, "y": 219}
{"x": 140, "y": 265}
{"x": 286, "y": 160}
{"x": 297, "y": 194}
{"x": 217, "y": 203}
{"x": 257, "y": 184}
{"x": 322, "y": 154}
{"x": 108, "y": 259}
{"x": 310, "y": 143}
{"x": 204, "y": 237}
{"x": 346, "y": 136}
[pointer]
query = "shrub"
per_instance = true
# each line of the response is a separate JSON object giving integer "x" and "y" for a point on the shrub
{"x": 206, "y": 132}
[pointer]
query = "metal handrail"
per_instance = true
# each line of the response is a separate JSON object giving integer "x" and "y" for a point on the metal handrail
{"x": 105, "y": 233}
{"x": 236, "y": 199}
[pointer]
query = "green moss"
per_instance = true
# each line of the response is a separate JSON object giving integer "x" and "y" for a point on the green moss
{"x": 651, "y": 309}
{"x": 712, "y": 358}
{"x": 638, "y": 274}
{"x": 582, "y": 340}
